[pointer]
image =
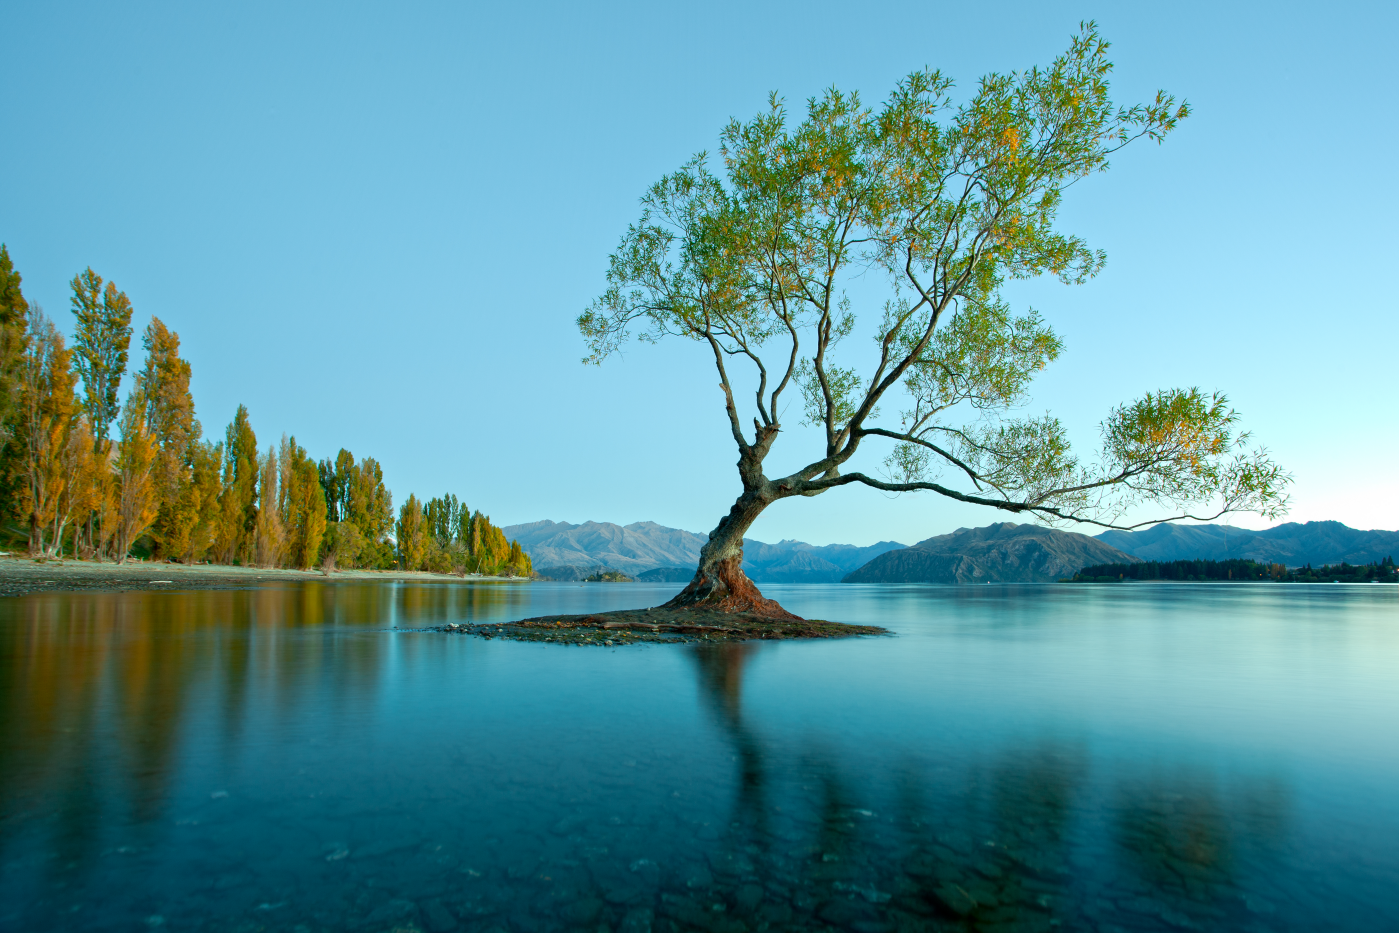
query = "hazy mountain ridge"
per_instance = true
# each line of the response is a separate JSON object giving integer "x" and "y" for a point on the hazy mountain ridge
{"x": 1000, "y": 553}
{"x": 1292, "y": 543}
{"x": 1004, "y": 552}
{"x": 573, "y": 551}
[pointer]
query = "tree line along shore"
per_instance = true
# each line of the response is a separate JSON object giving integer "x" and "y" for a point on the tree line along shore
{"x": 1238, "y": 570}
{"x": 84, "y": 474}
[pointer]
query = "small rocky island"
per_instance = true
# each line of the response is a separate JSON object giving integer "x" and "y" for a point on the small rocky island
{"x": 661, "y": 624}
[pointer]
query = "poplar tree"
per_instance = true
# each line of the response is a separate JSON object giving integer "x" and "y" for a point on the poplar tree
{"x": 47, "y": 404}
{"x": 162, "y": 391}
{"x": 269, "y": 535}
{"x": 101, "y": 341}
{"x": 137, "y": 499}
{"x": 14, "y": 331}
{"x": 371, "y": 511}
{"x": 519, "y": 562}
{"x": 302, "y": 504}
{"x": 411, "y": 534}
{"x": 85, "y": 476}
{"x": 237, "y": 503}
{"x": 206, "y": 463}
{"x": 359, "y": 510}
{"x": 311, "y": 524}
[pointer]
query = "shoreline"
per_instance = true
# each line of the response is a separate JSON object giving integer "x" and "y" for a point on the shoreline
{"x": 21, "y": 576}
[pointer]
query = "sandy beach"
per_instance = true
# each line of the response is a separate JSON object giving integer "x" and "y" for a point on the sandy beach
{"x": 22, "y": 575}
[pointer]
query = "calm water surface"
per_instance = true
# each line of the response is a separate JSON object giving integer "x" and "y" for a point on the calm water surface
{"x": 1141, "y": 757}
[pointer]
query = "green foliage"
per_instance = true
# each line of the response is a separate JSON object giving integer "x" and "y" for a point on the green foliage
{"x": 238, "y": 500}
{"x": 608, "y": 576}
{"x": 355, "y": 496}
{"x": 443, "y": 536}
{"x": 14, "y": 326}
{"x": 101, "y": 343}
{"x": 1236, "y": 570}
{"x": 944, "y": 201}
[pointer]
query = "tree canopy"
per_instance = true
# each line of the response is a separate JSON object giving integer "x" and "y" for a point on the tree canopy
{"x": 751, "y": 255}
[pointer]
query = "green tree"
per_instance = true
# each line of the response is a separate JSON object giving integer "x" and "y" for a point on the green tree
{"x": 101, "y": 343}
{"x": 942, "y": 203}
{"x": 355, "y": 496}
{"x": 14, "y": 329}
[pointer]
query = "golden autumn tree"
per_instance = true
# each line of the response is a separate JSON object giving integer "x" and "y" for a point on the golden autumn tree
{"x": 137, "y": 500}
{"x": 269, "y": 538}
{"x": 302, "y": 505}
{"x": 412, "y": 535}
{"x": 490, "y": 551}
{"x": 162, "y": 391}
{"x": 237, "y": 503}
{"x": 85, "y": 480}
{"x": 205, "y": 486}
{"x": 519, "y": 563}
{"x": 46, "y": 409}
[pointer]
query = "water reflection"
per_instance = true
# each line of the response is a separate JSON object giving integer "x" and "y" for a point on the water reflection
{"x": 991, "y": 849}
{"x": 280, "y": 759}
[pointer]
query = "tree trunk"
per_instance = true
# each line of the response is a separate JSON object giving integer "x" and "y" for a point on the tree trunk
{"x": 36, "y": 535}
{"x": 719, "y": 583}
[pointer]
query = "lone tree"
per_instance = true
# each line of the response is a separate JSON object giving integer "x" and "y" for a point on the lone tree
{"x": 942, "y": 203}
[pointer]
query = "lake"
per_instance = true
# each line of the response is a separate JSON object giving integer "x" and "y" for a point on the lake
{"x": 1014, "y": 758}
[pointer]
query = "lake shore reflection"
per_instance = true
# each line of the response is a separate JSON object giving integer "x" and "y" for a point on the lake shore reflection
{"x": 283, "y": 759}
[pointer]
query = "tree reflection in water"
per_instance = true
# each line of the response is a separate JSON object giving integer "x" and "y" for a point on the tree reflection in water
{"x": 1010, "y": 845}
{"x": 104, "y": 699}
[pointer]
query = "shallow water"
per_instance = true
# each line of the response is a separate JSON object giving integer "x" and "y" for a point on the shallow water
{"x": 1139, "y": 757}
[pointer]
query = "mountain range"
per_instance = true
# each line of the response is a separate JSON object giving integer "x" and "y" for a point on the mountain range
{"x": 1293, "y": 544}
{"x": 1000, "y": 553}
{"x": 655, "y": 553}
{"x": 1004, "y": 552}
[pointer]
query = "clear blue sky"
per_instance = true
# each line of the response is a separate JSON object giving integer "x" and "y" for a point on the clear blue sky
{"x": 375, "y": 225}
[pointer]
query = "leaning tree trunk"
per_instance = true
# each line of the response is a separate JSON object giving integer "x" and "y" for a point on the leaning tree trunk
{"x": 720, "y": 583}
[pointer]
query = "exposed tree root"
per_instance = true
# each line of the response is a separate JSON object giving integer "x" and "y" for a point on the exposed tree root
{"x": 725, "y": 588}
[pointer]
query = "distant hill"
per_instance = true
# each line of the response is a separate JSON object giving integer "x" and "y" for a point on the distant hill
{"x": 654, "y": 553}
{"x": 666, "y": 575}
{"x": 798, "y": 562}
{"x": 1001, "y": 553}
{"x": 1293, "y": 544}
{"x": 594, "y": 546}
